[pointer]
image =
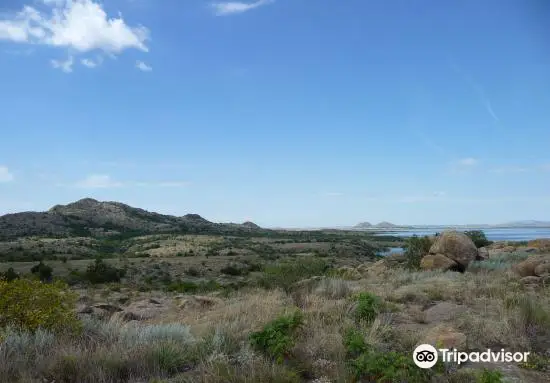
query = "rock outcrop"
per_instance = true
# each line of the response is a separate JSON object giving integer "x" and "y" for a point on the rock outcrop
{"x": 456, "y": 246}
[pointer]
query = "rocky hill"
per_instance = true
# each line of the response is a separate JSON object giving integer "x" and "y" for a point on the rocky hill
{"x": 91, "y": 218}
{"x": 363, "y": 225}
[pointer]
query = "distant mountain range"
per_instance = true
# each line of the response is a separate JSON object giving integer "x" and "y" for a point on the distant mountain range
{"x": 514, "y": 224}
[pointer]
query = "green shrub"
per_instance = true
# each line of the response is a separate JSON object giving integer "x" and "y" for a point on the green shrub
{"x": 367, "y": 307}
{"x": 489, "y": 376}
{"x": 44, "y": 271}
{"x": 193, "y": 272}
{"x": 387, "y": 367}
{"x": 9, "y": 275}
{"x": 101, "y": 272}
{"x": 233, "y": 270}
{"x": 354, "y": 342}
{"x": 29, "y": 305}
{"x": 277, "y": 337}
{"x": 478, "y": 237}
{"x": 416, "y": 248}
{"x": 284, "y": 274}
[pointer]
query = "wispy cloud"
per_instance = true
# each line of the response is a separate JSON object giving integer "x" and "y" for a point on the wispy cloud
{"x": 104, "y": 181}
{"x": 5, "y": 175}
{"x": 65, "y": 66}
{"x": 98, "y": 181}
{"x": 478, "y": 89}
{"x": 89, "y": 63}
{"x": 143, "y": 67}
{"x": 79, "y": 26}
{"x": 234, "y": 7}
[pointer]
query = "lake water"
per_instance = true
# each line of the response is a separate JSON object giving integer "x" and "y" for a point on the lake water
{"x": 493, "y": 234}
{"x": 501, "y": 234}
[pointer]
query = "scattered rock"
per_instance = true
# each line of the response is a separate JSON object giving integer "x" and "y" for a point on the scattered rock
{"x": 543, "y": 269}
{"x": 142, "y": 310}
{"x": 198, "y": 301}
{"x": 482, "y": 254}
{"x": 437, "y": 262}
{"x": 108, "y": 307}
{"x": 154, "y": 301}
{"x": 530, "y": 281}
{"x": 443, "y": 311}
{"x": 348, "y": 272}
{"x": 456, "y": 246}
{"x": 527, "y": 267}
{"x": 445, "y": 337}
{"x": 530, "y": 249}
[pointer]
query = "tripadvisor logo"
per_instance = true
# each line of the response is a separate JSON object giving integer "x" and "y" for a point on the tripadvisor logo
{"x": 426, "y": 356}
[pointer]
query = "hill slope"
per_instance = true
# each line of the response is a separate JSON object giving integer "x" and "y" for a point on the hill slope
{"x": 89, "y": 217}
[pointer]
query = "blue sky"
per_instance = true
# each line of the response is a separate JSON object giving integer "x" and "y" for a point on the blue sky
{"x": 289, "y": 112}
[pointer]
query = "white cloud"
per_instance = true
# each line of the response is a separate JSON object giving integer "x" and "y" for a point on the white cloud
{"x": 143, "y": 67}
{"x": 103, "y": 181}
{"x": 66, "y": 66}
{"x": 5, "y": 175}
{"x": 468, "y": 161}
{"x": 89, "y": 63}
{"x": 79, "y": 25}
{"x": 98, "y": 181}
{"x": 233, "y": 7}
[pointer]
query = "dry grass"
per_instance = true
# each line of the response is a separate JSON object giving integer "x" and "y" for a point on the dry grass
{"x": 212, "y": 341}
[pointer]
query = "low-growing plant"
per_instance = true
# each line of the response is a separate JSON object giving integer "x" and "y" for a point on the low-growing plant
{"x": 276, "y": 339}
{"x": 387, "y": 367}
{"x": 367, "y": 307}
{"x": 28, "y": 305}
{"x": 489, "y": 376}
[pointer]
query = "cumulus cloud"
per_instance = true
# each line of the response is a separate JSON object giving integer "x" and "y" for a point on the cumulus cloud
{"x": 65, "y": 66}
{"x": 143, "y": 67}
{"x": 78, "y": 25}
{"x": 5, "y": 175}
{"x": 233, "y": 7}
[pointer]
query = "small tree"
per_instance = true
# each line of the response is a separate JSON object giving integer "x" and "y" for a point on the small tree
{"x": 44, "y": 271}
{"x": 9, "y": 275}
{"x": 478, "y": 237}
{"x": 416, "y": 248}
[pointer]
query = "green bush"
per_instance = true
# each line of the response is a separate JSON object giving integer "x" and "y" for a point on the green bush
{"x": 367, "y": 307}
{"x": 416, "y": 248}
{"x": 44, "y": 271}
{"x": 277, "y": 337}
{"x": 489, "y": 376}
{"x": 233, "y": 270}
{"x": 29, "y": 305}
{"x": 478, "y": 237}
{"x": 284, "y": 274}
{"x": 354, "y": 342}
{"x": 9, "y": 275}
{"x": 387, "y": 367}
{"x": 101, "y": 272}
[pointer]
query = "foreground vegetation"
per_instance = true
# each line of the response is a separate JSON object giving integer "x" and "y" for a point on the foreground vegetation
{"x": 299, "y": 316}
